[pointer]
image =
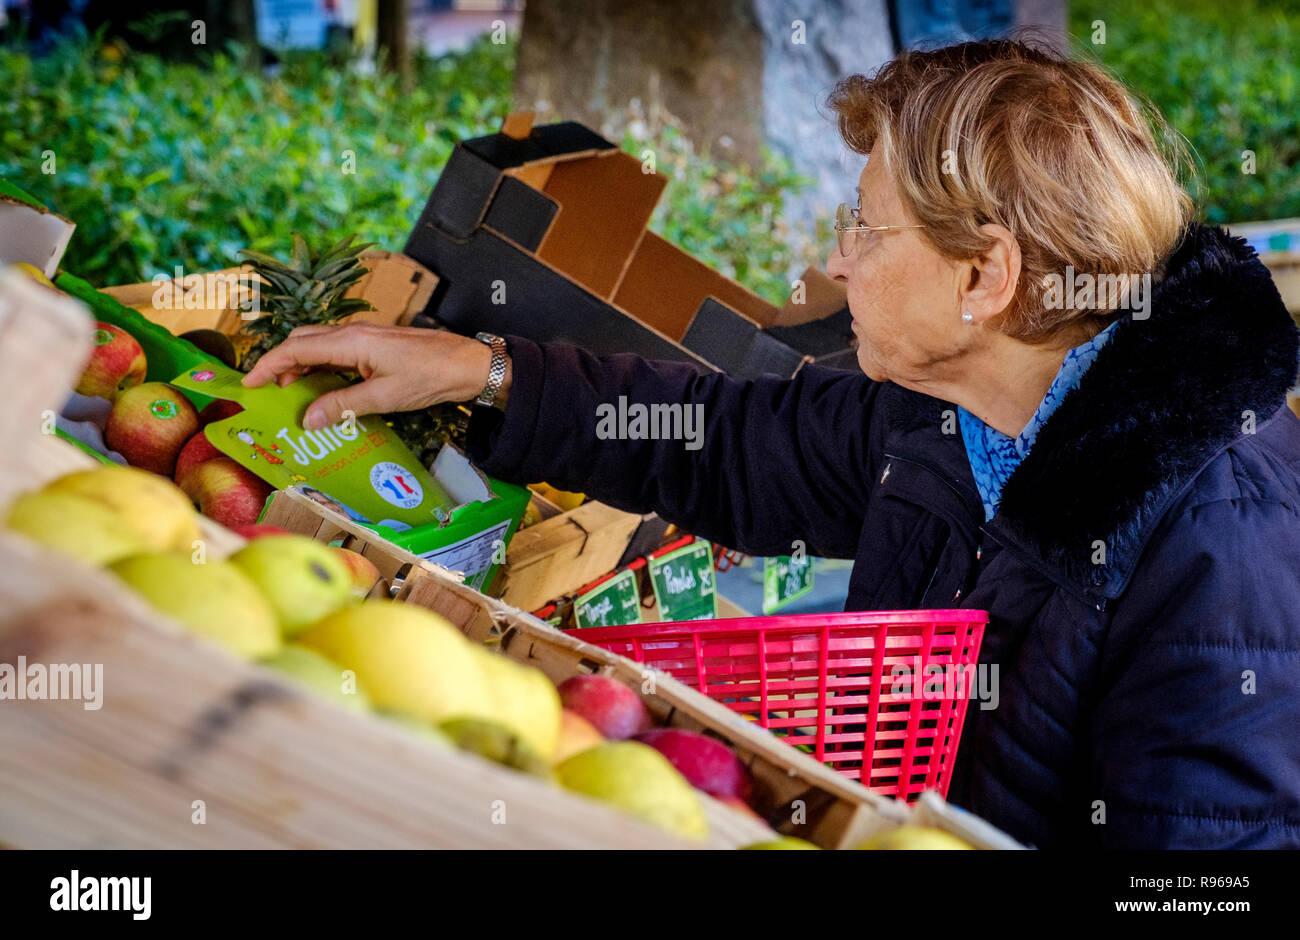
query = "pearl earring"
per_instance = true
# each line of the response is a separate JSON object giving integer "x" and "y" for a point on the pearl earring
{"x": 967, "y": 317}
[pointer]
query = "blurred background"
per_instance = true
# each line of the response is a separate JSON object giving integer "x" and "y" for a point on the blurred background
{"x": 178, "y": 133}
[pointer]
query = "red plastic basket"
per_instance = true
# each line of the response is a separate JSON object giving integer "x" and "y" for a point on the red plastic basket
{"x": 830, "y": 684}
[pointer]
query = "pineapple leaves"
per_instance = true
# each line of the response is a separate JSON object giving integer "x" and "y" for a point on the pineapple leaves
{"x": 300, "y": 256}
{"x": 308, "y": 290}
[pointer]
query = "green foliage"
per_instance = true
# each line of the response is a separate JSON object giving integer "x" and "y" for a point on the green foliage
{"x": 1226, "y": 77}
{"x": 161, "y": 164}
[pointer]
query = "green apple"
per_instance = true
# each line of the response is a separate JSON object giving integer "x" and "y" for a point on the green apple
{"x": 76, "y": 526}
{"x": 636, "y": 778}
{"x": 215, "y": 599}
{"x": 312, "y": 669}
{"x": 409, "y": 659}
{"x": 303, "y": 579}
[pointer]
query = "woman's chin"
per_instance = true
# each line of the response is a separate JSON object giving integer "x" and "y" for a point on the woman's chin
{"x": 871, "y": 366}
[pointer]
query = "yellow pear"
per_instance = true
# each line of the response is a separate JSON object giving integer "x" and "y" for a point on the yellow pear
{"x": 782, "y": 843}
{"x": 420, "y": 729}
{"x": 147, "y": 502}
{"x": 496, "y": 742}
{"x": 409, "y": 659}
{"x": 924, "y": 838}
{"x": 523, "y": 700}
{"x": 312, "y": 669}
{"x": 76, "y": 526}
{"x": 215, "y": 599}
{"x": 637, "y": 778}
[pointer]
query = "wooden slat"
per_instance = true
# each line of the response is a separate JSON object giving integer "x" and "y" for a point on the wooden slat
{"x": 275, "y": 766}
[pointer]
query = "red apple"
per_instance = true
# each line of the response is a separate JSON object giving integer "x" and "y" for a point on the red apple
{"x": 708, "y": 764}
{"x": 116, "y": 363}
{"x": 217, "y": 410}
{"x": 577, "y": 734}
{"x": 740, "y": 805}
{"x": 196, "y": 450}
{"x": 362, "y": 569}
{"x": 149, "y": 424}
{"x": 226, "y": 492}
{"x": 615, "y": 710}
{"x": 257, "y": 530}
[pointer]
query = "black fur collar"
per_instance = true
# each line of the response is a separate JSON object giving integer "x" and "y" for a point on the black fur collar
{"x": 1161, "y": 398}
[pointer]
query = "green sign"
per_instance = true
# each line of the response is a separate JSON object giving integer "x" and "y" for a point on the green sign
{"x": 683, "y": 583}
{"x": 784, "y": 579}
{"x": 611, "y": 603}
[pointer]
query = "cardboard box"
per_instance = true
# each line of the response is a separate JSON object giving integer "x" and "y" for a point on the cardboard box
{"x": 564, "y": 551}
{"x": 397, "y": 287}
{"x": 474, "y": 538}
{"x": 29, "y": 232}
{"x": 541, "y": 232}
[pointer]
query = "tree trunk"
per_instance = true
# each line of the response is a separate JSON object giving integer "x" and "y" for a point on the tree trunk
{"x": 393, "y": 40}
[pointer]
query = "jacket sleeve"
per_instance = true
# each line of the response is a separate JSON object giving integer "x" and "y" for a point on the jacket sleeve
{"x": 1196, "y": 739}
{"x": 764, "y": 463}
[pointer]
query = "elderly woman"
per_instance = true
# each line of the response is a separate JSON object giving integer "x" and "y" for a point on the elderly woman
{"x": 1072, "y": 415}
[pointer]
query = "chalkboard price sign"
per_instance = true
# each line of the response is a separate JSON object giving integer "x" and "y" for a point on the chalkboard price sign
{"x": 785, "y": 578}
{"x": 683, "y": 583}
{"x": 611, "y": 603}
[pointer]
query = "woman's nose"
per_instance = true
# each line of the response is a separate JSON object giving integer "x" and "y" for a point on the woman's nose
{"x": 838, "y": 266}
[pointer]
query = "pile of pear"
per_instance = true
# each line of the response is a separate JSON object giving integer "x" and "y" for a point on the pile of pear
{"x": 290, "y": 603}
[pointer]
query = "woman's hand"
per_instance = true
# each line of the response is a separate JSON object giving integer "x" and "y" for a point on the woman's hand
{"x": 403, "y": 368}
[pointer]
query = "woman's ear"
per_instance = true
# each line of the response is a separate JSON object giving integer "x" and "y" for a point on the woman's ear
{"x": 992, "y": 276}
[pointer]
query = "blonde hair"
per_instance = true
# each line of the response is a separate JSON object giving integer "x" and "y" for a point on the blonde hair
{"x": 1056, "y": 151}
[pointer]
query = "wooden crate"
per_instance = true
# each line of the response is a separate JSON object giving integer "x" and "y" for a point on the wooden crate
{"x": 186, "y": 727}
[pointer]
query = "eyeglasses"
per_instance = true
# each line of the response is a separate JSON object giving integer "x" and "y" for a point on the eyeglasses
{"x": 848, "y": 225}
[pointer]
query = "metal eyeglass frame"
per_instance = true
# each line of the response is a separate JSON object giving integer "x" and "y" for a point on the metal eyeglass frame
{"x": 846, "y": 214}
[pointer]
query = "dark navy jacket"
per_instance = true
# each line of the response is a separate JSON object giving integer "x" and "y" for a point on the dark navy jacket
{"x": 1154, "y": 685}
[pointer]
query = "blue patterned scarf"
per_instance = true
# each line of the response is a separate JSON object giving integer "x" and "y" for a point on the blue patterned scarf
{"x": 994, "y": 456}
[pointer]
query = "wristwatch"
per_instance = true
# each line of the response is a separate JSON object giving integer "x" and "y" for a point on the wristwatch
{"x": 497, "y": 372}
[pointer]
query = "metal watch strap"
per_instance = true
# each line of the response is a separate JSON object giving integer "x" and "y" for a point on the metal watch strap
{"x": 497, "y": 372}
